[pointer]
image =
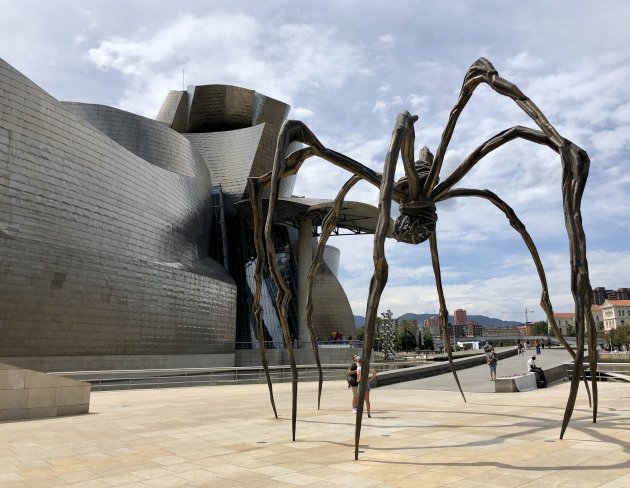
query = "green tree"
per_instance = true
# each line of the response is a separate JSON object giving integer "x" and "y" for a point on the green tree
{"x": 377, "y": 334}
{"x": 360, "y": 333}
{"x": 570, "y": 331}
{"x": 406, "y": 336}
{"x": 540, "y": 328}
{"x": 429, "y": 343}
{"x": 619, "y": 336}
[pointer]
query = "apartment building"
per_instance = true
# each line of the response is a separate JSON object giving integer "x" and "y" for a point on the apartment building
{"x": 615, "y": 313}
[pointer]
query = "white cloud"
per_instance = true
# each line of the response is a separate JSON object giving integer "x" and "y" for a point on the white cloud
{"x": 228, "y": 48}
{"x": 387, "y": 40}
{"x": 302, "y": 113}
{"x": 349, "y": 76}
{"x": 524, "y": 61}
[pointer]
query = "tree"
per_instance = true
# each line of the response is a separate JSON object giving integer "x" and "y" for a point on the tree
{"x": 405, "y": 338}
{"x": 377, "y": 335}
{"x": 620, "y": 336}
{"x": 540, "y": 328}
{"x": 570, "y": 330}
{"x": 360, "y": 333}
{"x": 429, "y": 343}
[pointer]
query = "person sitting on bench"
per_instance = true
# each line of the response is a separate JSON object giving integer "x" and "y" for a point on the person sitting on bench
{"x": 531, "y": 366}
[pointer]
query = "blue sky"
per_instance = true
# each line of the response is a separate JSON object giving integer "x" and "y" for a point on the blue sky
{"x": 347, "y": 68}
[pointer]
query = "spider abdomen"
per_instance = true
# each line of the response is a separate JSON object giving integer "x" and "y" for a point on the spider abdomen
{"x": 416, "y": 221}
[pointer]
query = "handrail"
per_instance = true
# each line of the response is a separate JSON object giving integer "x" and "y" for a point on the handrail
{"x": 169, "y": 378}
{"x": 322, "y": 343}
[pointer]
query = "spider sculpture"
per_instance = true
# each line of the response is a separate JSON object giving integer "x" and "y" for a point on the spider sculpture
{"x": 417, "y": 194}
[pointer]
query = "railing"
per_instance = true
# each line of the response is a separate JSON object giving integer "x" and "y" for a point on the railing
{"x": 170, "y": 378}
{"x": 600, "y": 375}
{"x": 322, "y": 344}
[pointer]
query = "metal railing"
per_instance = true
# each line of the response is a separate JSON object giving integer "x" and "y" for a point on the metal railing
{"x": 322, "y": 344}
{"x": 173, "y": 378}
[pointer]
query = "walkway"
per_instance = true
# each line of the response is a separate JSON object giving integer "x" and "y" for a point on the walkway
{"x": 477, "y": 379}
{"x": 226, "y": 436}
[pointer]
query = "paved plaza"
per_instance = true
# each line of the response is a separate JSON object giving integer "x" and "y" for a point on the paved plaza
{"x": 227, "y": 436}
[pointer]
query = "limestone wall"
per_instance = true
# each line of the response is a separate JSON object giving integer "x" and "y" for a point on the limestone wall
{"x": 27, "y": 394}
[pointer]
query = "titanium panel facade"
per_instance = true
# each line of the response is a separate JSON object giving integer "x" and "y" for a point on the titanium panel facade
{"x": 108, "y": 230}
{"x": 101, "y": 251}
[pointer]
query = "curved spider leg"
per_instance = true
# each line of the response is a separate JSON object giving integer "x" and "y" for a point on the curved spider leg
{"x": 290, "y": 132}
{"x": 482, "y": 71}
{"x": 328, "y": 225}
{"x": 255, "y": 196}
{"x": 592, "y": 339}
{"x": 443, "y": 191}
{"x": 473, "y": 158}
{"x": 575, "y": 165}
{"x": 518, "y": 225}
{"x": 404, "y": 124}
{"x": 492, "y": 144}
{"x": 435, "y": 260}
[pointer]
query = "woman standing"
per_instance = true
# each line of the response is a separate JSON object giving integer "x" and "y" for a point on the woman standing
{"x": 492, "y": 359}
{"x": 372, "y": 375}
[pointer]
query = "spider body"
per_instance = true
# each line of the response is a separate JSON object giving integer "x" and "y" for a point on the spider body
{"x": 418, "y": 218}
{"x": 416, "y": 193}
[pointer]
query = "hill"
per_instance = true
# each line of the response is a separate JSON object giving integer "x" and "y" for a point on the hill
{"x": 421, "y": 317}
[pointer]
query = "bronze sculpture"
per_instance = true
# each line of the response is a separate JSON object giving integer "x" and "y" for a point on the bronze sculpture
{"x": 417, "y": 193}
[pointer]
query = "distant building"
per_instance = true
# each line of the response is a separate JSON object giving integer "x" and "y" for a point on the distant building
{"x": 433, "y": 325}
{"x": 564, "y": 320}
{"x": 460, "y": 317}
{"x": 601, "y": 294}
{"x": 615, "y": 313}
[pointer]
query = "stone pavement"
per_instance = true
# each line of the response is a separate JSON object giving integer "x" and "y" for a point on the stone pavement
{"x": 227, "y": 436}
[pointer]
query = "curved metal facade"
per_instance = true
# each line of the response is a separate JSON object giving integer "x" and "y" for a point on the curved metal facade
{"x": 107, "y": 222}
{"x": 101, "y": 251}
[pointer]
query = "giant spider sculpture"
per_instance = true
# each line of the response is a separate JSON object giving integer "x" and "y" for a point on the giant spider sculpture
{"x": 417, "y": 194}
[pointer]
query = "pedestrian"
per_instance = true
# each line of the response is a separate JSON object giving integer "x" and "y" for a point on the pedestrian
{"x": 372, "y": 375}
{"x": 353, "y": 382}
{"x": 541, "y": 381}
{"x": 492, "y": 359}
{"x": 538, "y": 351}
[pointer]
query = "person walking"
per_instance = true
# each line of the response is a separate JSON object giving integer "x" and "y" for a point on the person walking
{"x": 372, "y": 375}
{"x": 492, "y": 359}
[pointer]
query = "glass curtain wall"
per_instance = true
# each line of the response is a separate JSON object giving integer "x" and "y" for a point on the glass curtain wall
{"x": 242, "y": 268}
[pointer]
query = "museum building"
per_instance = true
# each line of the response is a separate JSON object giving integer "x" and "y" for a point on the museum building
{"x": 125, "y": 242}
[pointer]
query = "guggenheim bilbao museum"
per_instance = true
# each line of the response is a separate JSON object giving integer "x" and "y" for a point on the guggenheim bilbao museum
{"x": 125, "y": 242}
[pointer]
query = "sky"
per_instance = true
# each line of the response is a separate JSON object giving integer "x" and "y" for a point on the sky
{"x": 347, "y": 68}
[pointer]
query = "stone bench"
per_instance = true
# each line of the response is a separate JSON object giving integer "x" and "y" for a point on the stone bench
{"x": 510, "y": 384}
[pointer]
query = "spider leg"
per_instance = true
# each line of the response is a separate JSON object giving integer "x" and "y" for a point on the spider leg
{"x": 404, "y": 124}
{"x": 518, "y": 225}
{"x": 575, "y": 165}
{"x": 472, "y": 159}
{"x": 482, "y": 71}
{"x": 328, "y": 225}
{"x": 492, "y": 144}
{"x": 255, "y": 195}
{"x": 290, "y": 132}
{"x": 443, "y": 311}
